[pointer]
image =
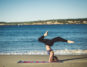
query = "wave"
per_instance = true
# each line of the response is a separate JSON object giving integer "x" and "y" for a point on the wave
{"x": 42, "y": 52}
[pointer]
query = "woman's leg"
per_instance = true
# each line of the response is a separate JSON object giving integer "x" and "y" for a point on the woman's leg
{"x": 41, "y": 39}
{"x": 56, "y": 39}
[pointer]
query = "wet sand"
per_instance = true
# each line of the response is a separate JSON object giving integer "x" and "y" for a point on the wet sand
{"x": 66, "y": 61}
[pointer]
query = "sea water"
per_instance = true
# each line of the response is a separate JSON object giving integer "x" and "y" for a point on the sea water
{"x": 23, "y": 39}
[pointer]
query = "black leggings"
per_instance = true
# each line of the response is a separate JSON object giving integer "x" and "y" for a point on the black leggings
{"x": 50, "y": 42}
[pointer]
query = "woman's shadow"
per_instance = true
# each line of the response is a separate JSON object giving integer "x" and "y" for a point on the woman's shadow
{"x": 72, "y": 59}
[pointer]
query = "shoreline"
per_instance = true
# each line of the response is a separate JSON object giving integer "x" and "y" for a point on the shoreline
{"x": 49, "y": 21}
{"x": 67, "y": 61}
{"x": 41, "y": 24}
{"x": 44, "y": 52}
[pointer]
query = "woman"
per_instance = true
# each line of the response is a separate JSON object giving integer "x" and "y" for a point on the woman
{"x": 49, "y": 43}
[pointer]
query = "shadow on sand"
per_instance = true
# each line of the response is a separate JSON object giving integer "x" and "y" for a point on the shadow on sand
{"x": 72, "y": 59}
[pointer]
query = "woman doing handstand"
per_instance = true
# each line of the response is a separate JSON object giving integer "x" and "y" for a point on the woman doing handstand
{"x": 49, "y": 43}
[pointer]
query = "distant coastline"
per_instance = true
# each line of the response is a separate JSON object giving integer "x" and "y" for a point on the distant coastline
{"x": 49, "y": 22}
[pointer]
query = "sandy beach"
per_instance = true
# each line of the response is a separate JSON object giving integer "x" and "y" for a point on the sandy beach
{"x": 67, "y": 61}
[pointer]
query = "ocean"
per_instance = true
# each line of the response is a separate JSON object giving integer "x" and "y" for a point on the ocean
{"x": 23, "y": 39}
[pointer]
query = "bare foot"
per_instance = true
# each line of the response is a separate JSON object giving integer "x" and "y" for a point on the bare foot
{"x": 46, "y": 33}
{"x": 69, "y": 41}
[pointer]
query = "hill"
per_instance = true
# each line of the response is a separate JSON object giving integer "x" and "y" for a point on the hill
{"x": 48, "y": 22}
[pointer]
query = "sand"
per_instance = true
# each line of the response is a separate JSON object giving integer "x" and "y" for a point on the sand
{"x": 67, "y": 61}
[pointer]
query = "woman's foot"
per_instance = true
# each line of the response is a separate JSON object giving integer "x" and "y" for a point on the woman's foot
{"x": 69, "y": 41}
{"x": 46, "y": 33}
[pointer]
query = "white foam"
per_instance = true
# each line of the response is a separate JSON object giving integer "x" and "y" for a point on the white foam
{"x": 70, "y": 52}
{"x": 57, "y": 52}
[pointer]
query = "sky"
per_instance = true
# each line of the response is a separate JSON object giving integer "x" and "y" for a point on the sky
{"x": 34, "y": 10}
